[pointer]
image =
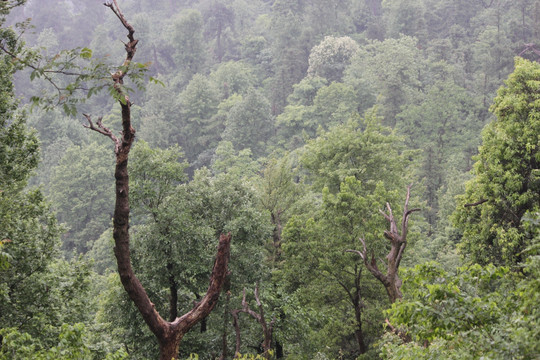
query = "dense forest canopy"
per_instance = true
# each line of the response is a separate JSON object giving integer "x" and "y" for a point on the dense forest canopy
{"x": 373, "y": 163}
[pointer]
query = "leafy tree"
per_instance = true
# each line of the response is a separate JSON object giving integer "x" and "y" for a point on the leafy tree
{"x": 250, "y": 124}
{"x": 70, "y": 346}
{"x": 332, "y": 105}
{"x": 327, "y": 17}
{"x": 161, "y": 116}
{"x": 505, "y": 187}
{"x": 478, "y": 311}
{"x": 356, "y": 148}
{"x": 443, "y": 126}
{"x": 330, "y": 58}
{"x": 37, "y": 292}
{"x": 305, "y": 91}
{"x": 219, "y": 18}
{"x": 277, "y": 193}
{"x": 81, "y": 192}
{"x": 356, "y": 166}
{"x": 239, "y": 164}
{"x": 290, "y": 50}
{"x": 405, "y": 17}
{"x": 200, "y": 130}
{"x": 393, "y": 85}
{"x": 233, "y": 77}
{"x": 189, "y": 43}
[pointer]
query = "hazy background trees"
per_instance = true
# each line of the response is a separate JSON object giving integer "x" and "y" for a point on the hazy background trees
{"x": 303, "y": 118}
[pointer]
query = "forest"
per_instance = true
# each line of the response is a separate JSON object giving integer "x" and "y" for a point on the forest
{"x": 269, "y": 179}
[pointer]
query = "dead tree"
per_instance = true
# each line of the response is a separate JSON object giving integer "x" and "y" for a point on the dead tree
{"x": 530, "y": 48}
{"x": 398, "y": 242}
{"x": 168, "y": 333}
{"x": 267, "y": 328}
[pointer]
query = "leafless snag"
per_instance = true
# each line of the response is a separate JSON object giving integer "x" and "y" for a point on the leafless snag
{"x": 267, "y": 328}
{"x": 398, "y": 242}
{"x": 530, "y": 48}
{"x": 168, "y": 333}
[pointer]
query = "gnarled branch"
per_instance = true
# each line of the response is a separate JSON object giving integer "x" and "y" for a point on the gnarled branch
{"x": 398, "y": 242}
{"x": 259, "y": 317}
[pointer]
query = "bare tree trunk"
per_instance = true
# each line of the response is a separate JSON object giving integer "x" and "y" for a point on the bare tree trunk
{"x": 168, "y": 334}
{"x": 168, "y": 349}
{"x": 266, "y": 327}
{"x": 398, "y": 242}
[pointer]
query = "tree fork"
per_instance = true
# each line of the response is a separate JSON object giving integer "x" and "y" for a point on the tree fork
{"x": 398, "y": 242}
{"x": 168, "y": 333}
{"x": 267, "y": 327}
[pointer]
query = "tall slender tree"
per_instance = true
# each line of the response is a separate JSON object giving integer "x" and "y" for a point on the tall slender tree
{"x": 168, "y": 333}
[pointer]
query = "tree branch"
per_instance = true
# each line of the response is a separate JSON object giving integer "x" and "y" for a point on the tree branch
{"x": 479, "y": 202}
{"x": 102, "y": 129}
{"x": 259, "y": 317}
{"x": 209, "y": 301}
{"x": 398, "y": 242}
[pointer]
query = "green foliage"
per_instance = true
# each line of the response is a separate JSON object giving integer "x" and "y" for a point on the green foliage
{"x": 34, "y": 285}
{"x": 4, "y": 256}
{"x": 233, "y": 77}
{"x": 155, "y": 176}
{"x": 358, "y": 148}
{"x": 393, "y": 85}
{"x": 70, "y": 346}
{"x": 330, "y": 58}
{"x": 477, "y": 312}
{"x": 358, "y": 167}
{"x": 188, "y": 41}
{"x": 174, "y": 241}
{"x": 82, "y": 193}
{"x": 250, "y": 124}
{"x": 200, "y": 129}
{"x": 231, "y": 81}
{"x": 441, "y": 125}
{"x": 506, "y": 175}
{"x": 239, "y": 164}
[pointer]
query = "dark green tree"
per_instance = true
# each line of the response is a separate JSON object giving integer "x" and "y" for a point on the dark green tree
{"x": 250, "y": 124}
{"x": 81, "y": 193}
{"x": 37, "y": 291}
{"x": 357, "y": 166}
{"x": 506, "y": 184}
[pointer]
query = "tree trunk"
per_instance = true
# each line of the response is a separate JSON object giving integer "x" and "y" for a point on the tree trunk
{"x": 398, "y": 242}
{"x": 169, "y": 349}
{"x": 168, "y": 334}
{"x": 358, "y": 308}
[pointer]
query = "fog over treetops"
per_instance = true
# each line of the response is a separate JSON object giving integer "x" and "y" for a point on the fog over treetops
{"x": 323, "y": 179}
